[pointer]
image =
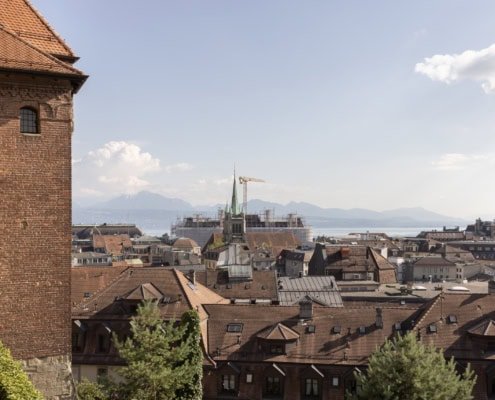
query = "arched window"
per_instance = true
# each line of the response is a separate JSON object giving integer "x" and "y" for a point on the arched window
{"x": 29, "y": 120}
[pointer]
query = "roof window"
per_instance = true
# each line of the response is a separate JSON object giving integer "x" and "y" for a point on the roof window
{"x": 362, "y": 330}
{"x": 234, "y": 327}
{"x": 432, "y": 328}
{"x": 452, "y": 319}
{"x": 397, "y": 326}
{"x": 337, "y": 329}
{"x": 311, "y": 329}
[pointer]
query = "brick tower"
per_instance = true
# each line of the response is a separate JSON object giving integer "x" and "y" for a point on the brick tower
{"x": 37, "y": 83}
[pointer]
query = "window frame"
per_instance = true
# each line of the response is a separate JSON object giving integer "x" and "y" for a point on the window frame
{"x": 309, "y": 390}
{"x": 273, "y": 386}
{"x": 29, "y": 118}
{"x": 228, "y": 383}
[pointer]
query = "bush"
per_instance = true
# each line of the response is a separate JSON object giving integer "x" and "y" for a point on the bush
{"x": 14, "y": 383}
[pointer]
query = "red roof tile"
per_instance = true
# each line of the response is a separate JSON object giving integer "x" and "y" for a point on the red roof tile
{"x": 21, "y": 18}
{"x": 18, "y": 54}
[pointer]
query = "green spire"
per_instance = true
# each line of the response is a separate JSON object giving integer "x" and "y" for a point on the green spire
{"x": 234, "y": 207}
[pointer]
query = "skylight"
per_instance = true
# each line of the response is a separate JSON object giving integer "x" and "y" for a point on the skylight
{"x": 234, "y": 327}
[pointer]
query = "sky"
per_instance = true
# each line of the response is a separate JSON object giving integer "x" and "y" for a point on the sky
{"x": 345, "y": 104}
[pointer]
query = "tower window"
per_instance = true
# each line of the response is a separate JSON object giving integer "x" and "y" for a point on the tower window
{"x": 29, "y": 120}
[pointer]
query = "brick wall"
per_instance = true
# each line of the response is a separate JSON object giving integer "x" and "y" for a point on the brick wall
{"x": 35, "y": 218}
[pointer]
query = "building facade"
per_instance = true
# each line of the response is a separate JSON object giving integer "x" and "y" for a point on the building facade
{"x": 37, "y": 84}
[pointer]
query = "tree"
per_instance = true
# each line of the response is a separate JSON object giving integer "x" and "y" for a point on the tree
{"x": 193, "y": 391}
{"x": 406, "y": 369}
{"x": 160, "y": 356}
{"x": 87, "y": 390}
{"x": 14, "y": 383}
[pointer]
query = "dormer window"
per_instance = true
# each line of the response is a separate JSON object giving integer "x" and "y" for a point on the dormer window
{"x": 28, "y": 120}
{"x": 277, "y": 348}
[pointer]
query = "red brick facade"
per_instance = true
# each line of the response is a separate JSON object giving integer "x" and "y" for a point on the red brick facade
{"x": 35, "y": 216}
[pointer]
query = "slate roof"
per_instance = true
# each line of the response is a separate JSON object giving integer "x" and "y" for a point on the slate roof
{"x": 322, "y": 289}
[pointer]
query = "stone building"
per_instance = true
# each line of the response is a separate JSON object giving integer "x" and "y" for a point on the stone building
{"x": 37, "y": 85}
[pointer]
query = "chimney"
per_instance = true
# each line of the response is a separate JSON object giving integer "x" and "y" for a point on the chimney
{"x": 192, "y": 274}
{"x": 379, "y": 318}
{"x": 306, "y": 309}
{"x": 345, "y": 252}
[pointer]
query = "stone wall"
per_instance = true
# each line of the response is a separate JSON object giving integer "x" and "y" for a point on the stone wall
{"x": 52, "y": 376}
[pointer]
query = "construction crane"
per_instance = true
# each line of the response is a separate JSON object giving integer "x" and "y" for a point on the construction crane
{"x": 243, "y": 180}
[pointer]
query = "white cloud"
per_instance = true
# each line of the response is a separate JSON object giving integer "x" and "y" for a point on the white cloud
{"x": 117, "y": 168}
{"x": 179, "y": 167}
{"x": 124, "y": 156}
{"x": 458, "y": 161}
{"x": 476, "y": 65}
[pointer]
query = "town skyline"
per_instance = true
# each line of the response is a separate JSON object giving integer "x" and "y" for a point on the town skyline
{"x": 329, "y": 106}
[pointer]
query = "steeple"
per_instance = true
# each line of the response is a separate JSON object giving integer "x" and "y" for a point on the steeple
{"x": 234, "y": 207}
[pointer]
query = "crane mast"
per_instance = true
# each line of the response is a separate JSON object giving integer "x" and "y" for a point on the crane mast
{"x": 243, "y": 180}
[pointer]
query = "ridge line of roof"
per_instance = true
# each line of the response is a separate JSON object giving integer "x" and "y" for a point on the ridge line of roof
{"x": 42, "y": 19}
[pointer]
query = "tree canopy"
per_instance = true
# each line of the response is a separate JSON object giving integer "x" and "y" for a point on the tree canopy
{"x": 14, "y": 383}
{"x": 164, "y": 360}
{"x": 405, "y": 369}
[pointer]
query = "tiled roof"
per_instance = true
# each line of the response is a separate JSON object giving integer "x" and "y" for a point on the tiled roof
{"x": 18, "y": 54}
{"x": 171, "y": 283}
{"x": 322, "y": 346}
{"x": 145, "y": 291}
{"x": 433, "y": 261}
{"x": 472, "y": 314}
{"x": 386, "y": 271}
{"x": 278, "y": 332}
{"x": 20, "y": 17}
{"x": 273, "y": 241}
{"x": 113, "y": 244}
{"x": 262, "y": 286}
{"x": 90, "y": 280}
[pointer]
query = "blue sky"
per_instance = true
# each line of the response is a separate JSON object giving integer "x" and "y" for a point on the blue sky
{"x": 378, "y": 105}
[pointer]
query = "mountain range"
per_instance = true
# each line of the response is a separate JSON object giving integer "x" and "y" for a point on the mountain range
{"x": 155, "y": 211}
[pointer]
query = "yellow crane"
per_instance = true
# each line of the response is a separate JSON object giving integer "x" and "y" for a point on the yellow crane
{"x": 243, "y": 180}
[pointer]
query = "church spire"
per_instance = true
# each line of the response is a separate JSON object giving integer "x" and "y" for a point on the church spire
{"x": 234, "y": 207}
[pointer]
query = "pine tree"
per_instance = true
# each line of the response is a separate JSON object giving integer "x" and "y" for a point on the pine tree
{"x": 158, "y": 357}
{"x": 193, "y": 391}
{"x": 405, "y": 369}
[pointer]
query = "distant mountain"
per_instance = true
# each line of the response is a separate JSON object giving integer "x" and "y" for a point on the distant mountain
{"x": 144, "y": 201}
{"x": 155, "y": 211}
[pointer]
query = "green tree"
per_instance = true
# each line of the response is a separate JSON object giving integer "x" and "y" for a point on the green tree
{"x": 14, "y": 383}
{"x": 405, "y": 369}
{"x": 158, "y": 355}
{"x": 87, "y": 390}
{"x": 194, "y": 358}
